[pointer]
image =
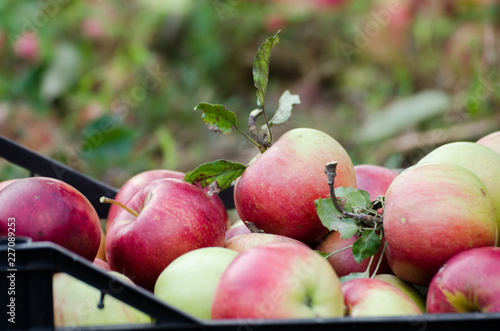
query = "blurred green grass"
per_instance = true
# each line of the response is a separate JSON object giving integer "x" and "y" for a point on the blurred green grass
{"x": 109, "y": 89}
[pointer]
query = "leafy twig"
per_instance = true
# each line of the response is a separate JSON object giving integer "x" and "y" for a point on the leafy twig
{"x": 369, "y": 220}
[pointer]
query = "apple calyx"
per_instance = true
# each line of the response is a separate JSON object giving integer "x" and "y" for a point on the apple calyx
{"x": 119, "y": 204}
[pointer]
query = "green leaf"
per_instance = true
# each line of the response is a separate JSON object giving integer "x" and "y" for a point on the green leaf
{"x": 261, "y": 67}
{"x": 352, "y": 275}
{"x": 217, "y": 117}
{"x": 222, "y": 171}
{"x": 333, "y": 220}
{"x": 366, "y": 245}
{"x": 287, "y": 100}
{"x": 356, "y": 200}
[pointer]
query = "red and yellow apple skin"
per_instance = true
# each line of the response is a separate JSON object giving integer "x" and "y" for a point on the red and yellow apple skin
{"x": 468, "y": 282}
{"x": 174, "y": 217}
{"x": 365, "y": 297}
{"x": 478, "y": 159}
{"x": 247, "y": 241}
{"x": 432, "y": 212}
{"x": 276, "y": 281}
{"x": 277, "y": 190}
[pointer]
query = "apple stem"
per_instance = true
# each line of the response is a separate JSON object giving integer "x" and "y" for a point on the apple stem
{"x": 263, "y": 138}
{"x": 337, "y": 251}
{"x": 382, "y": 256}
{"x": 253, "y": 228}
{"x": 370, "y": 220}
{"x": 114, "y": 202}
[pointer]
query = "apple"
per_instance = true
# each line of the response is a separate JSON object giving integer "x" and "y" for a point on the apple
{"x": 411, "y": 291}
{"x": 246, "y": 241}
{"x": 467, "y": 282}
{"x": 138, "y": 181}
{"x": 189, "y": 282}
{"x": 432, "y": 212}
{"x": 75, "y": 305}
{"x": 101, "y": 264}
{"x": 277, "y": 190}
{"x": 343, "y": 262}
{"x": 491, "y": 140}
{"x": 5, "y": 183}
{"x": 480, "y": 160}
{"x": 366, "y": 297}
{"x": 47, "y": 209}
{"x": 374, "y": 179}
{"x": 173, "y": 218}
{"x": 134, "y": 184}
{"x": 236, "y": 229}
{"x": 281, "y": 280}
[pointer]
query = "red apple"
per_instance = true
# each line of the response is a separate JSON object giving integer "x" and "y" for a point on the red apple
{"x": 174, "y": 217}
{"x": 491, "y": 140}
{"x": 236, "y": 229}
{"x": 343, "y": 262}
{"x": 432, "y": 212}
{"x": 365, "y": 297}
{"x": 374, "y": 179}
{"x": 246, "y": 241}
{"x": 5, "y": 183}
{"x": 278, "y": 281}
{"x": 468, "y": 282}
{"x": 277, "y": 190}
{"x": 101, "y": 264}
{"x": 48, "y": 209}
{"x": 478, "y": 159}
{"x": 140, "y": 180}
{"x": 134, "y": 184}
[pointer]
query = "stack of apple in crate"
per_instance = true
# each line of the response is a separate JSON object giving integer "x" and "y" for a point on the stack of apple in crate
{"x": 317, "y": 237}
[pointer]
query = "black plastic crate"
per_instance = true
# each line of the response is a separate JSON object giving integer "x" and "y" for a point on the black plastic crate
{"x": 36, "y": 262}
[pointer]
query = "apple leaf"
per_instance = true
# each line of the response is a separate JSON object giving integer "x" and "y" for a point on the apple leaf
{"x": 352, "y": 275}
{"x": 333, "y": 220}
{"x": 287, "y": 100}
{"x": 356, "y": 200}
{"x": 366, "y": 245}
{"x": 222, "y": 171}
{"x": 217, "y": 117}
{"x": 261, "y": 67}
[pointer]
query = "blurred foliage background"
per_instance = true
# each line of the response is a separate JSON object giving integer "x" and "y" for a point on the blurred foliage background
{"x": 109, "y": 88}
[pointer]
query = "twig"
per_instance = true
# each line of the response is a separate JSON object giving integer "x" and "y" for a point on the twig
{"x": 369, "y": 220}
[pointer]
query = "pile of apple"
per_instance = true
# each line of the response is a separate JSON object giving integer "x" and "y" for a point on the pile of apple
{"x": 359, "y": 240}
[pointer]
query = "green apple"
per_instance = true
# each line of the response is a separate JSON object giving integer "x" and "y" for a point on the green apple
{"x": 189, "y": 282}
{"x": 411, "y": 291}
{"x": 75, "y": 304}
